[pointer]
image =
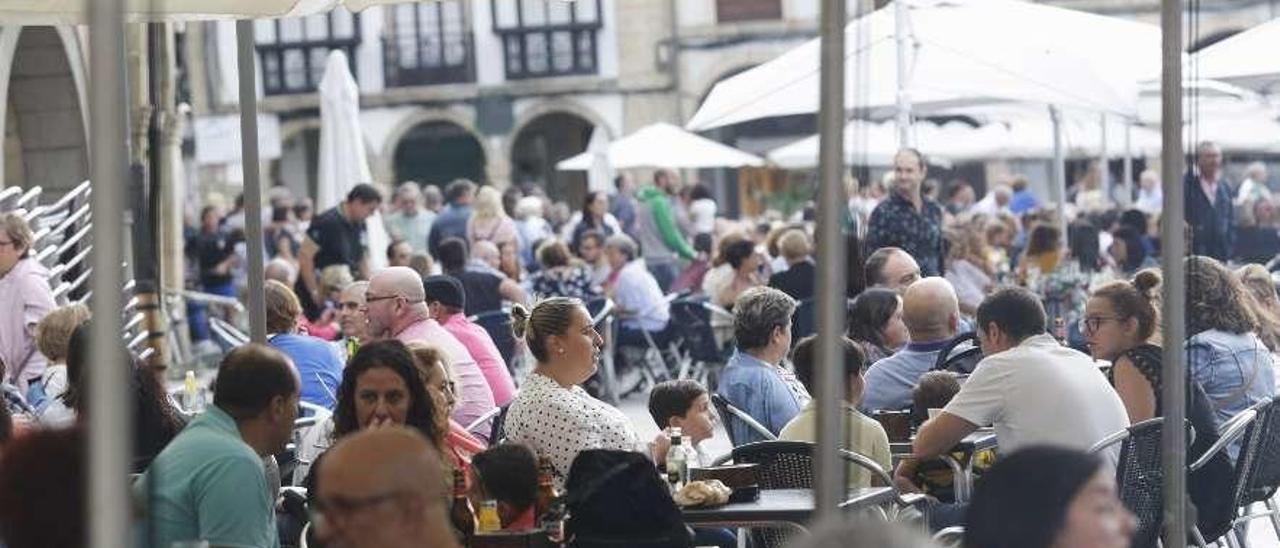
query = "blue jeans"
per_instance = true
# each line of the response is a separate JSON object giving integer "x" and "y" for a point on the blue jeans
{"x": 665, "y": 271}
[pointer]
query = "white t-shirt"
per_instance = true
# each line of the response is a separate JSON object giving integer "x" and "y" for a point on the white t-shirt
{"x": 1042, "y": 393}
{"x": 702, "y": 213}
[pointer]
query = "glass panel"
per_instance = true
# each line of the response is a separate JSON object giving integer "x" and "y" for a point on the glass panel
{"x": 587, "y": 11}
{"x": 344, "y": 24}
{"x": 558, "y": 12}
{"x": 504, "y": 13}
{"x": 290, "y": 30}
{"x": 264, "y": 31}
{"x": 586, "y": 50}
{"x": 455, "y": 50}
{"x": 270, "y": 72}
{"x": 404, "y": 20}
{"x": 429, "y": 18}
{"x": 295, "y": 71}
{"x": 514, "y": 64}
{"x": 431, "y": 50}
{"x": 317, "y": 27}
{"x": 453, "y": 16}
{"x": 319, "y": 59}
{"x": 534, "y": 11}
{"x": 535, "y": 47}
{"x": 562, "y": 51}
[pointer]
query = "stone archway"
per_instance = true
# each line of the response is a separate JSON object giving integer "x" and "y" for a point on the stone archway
{"x": 437, "y": 152}
{"x": 44, "y": 122}
{"x": 541, "y": 142}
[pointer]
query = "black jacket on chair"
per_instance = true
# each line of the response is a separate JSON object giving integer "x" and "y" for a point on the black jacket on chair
{"x": 797, "y": 280}
{"x": 1212, "y": 225}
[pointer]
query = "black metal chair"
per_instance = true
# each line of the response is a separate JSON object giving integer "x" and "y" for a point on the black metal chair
{"x": 1242, "y": 425}
{"x": 728, "y": 413}
{"x": 1262, "y": 477}
{"x": 961, "y": 361}
{"x": 701, "y": 355}
{"x": 497, "y": 323}
{"x": 803, "y": 322}
{"x": 1140, "y": 476}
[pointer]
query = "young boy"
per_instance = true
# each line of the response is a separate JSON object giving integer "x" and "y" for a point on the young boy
{"x": 508, "y": 474}
{"x": 682, "y": 404}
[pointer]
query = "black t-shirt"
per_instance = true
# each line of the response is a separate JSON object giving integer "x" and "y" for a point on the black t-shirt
{"x": 340, "y": 241}
{"x": 210, "y": 250}
{"x": 481, "y": 289}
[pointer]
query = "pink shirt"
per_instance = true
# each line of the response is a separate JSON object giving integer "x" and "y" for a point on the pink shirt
{"x": 474, "y": 396}
{"x": 26, "y": 295}
{"x": 480, "y": 345}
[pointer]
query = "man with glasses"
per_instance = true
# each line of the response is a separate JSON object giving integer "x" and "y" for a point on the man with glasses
{"x": 26, "y": 298}
{"x": 396, "y": 306}
{"x": 351, "y": 318}
{"x": 382, "y": 487}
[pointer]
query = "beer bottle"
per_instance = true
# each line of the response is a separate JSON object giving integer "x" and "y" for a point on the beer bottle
{"x": 462, "y": 515}
{"x": 489, "y": 522}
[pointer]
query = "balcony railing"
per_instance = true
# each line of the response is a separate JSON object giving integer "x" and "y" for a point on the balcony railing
{"x": 294, "y": 52}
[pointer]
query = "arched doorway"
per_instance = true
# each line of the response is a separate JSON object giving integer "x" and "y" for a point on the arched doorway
{"x": 437, "y": 152}
{"x": 43, "y": 128}
{"x": 541, "y": 143}
{"x": 298, "y": 168}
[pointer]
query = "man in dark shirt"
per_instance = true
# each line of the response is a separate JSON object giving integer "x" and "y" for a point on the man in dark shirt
{"x": 336, "y": 236}
{"x": 798, "y": 279}
{"x": 908, "y": 220}
{"x": 452, "y": 222}
{"x": 1208, "y": 205}
{"x": 485, "y": 288}
{"x": 214, "y": 253}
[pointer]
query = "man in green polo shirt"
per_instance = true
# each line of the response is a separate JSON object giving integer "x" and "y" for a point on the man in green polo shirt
{"x": 209, "y": 483}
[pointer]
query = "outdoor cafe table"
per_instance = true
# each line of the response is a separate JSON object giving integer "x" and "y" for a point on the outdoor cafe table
{"x": 977, "y": 441}
{"x": 781, "y": 507}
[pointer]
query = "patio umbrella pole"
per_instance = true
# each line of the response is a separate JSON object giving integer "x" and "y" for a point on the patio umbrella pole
{"x": 252, "y": 181}
{"x": 1058, "y": 188}
{"x": 1173, "y": 247}
{"x": 829, "y": 480}
{"x": 904, "y": 98}
{"x": 109, "y": 427}
{"x": 1127, "y": 197}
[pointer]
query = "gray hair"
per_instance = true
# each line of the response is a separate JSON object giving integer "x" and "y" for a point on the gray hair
{"x": 623, "y": 244}
{"x": 409, "y": 189}
{"x": 757, "y": 312}
{"x": 17, "y": 230}
{"x": 432, "y": 196}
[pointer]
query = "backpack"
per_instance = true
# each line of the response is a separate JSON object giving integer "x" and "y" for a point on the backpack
{"x": 617, "y": 498}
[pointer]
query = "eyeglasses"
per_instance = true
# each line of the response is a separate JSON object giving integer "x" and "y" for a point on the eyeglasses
{"x": 1092, "y": 323}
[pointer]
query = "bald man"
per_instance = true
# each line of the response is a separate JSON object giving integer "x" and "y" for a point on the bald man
{"x": 395, "y": 305}
{"x": 932, "y": 315}
{"x": 383, "y": 487}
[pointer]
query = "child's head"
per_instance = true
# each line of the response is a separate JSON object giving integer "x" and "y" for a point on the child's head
{"x": 805, "y": 360}
{"x": 507, "y": 474}
{"x": 933, "y": 391}
{"x": 683, "y": 404}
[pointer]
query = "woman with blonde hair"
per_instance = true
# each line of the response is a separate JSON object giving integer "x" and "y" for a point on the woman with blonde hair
{"x": 1262, "y": 299}
{"x": 489, "y": 222}
{"x": 432, "y": 366}
{"x": 53, "y": 337}
{"x": 969, "y": 266}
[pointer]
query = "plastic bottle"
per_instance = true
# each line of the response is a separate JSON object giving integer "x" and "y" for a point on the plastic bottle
{"x": 191, "y": 394}
{"x": 677, "y": 461}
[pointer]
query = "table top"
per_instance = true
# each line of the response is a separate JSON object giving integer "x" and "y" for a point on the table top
{"x": 781, "y": 506}
{"x": 978, "y": 440}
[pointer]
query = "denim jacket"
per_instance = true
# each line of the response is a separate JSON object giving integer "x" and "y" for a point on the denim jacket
{"x": 1234, "y": 369}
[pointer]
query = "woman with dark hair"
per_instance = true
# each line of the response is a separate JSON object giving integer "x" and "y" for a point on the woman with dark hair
{"x": 43, "y": 490}
{"x": 561, "y": 274}
{"x": 594, "y": 215}
{"x": 155, "y": 421}
{"x": 1127, "y": 250}
{"x": 381, "y": 386}
{"x": 875, "y": 323}
{"x": 1043, "y": 252}
{"x": 1018, "y": 505}
{"x": 1223, "y": 353}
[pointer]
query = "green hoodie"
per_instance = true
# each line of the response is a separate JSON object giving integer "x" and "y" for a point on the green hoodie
{"x": 665, "y": 220}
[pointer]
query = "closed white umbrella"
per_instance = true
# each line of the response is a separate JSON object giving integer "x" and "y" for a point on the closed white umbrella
{"x": 664, "y": 146}
{"x": 961, "y": 52}
{"x": 343, "y": 160}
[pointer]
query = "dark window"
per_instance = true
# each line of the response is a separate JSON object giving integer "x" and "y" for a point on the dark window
{"x": 428, "y": 43}
{"x": 728, "y": 11}
{"x": 547, "y": 37}
{"x": 294, "y": 51}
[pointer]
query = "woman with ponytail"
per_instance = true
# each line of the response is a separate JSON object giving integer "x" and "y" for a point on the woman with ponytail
{"x": 553, "y": 415}
{"x": 1119, "y": 324}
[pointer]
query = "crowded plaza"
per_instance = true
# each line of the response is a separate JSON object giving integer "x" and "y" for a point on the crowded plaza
{"x": 890, "y": 284}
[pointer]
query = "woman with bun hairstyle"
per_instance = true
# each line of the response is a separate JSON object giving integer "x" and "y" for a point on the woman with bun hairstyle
{"x": 553, "y": 415}
{"x": 1119, "y": 325}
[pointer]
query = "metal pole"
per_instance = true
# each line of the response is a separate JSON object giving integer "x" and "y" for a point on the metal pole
{"x": 109, "y": 424}
{"x": 1058, "y": 189}
{"x": 900, "y": 15}
{"x": 1104, "y": 165}
{"x": 830, "y": 482}
{"x": 245, "y": 59}
{"x": 1173, "y": 247}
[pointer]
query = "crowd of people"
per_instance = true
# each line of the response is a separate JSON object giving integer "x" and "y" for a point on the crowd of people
{"x": 406, "y": 381}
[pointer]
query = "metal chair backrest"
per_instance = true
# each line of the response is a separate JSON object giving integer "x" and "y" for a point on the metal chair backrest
{"x": 698, "y": 338}
{"x": 1260, "y": 480}
{"x": 728, "y": 414}
{"x": 497, "y": 323}
{"x": 963, "y": 361}
{"x": 1140, "y": 476}
{"x": 1239, "y": 428}
{"x": 782, "y": 464}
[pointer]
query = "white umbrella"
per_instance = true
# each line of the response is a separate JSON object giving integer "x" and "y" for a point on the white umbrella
{"x": 1249, "y": 58}
{"x": 600, "y": 175}
{"x": 962, "y": 52}
{"x": 875, "y": 144}
{"x": 342, "y": 156}
{"x": 664, "y": 146}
